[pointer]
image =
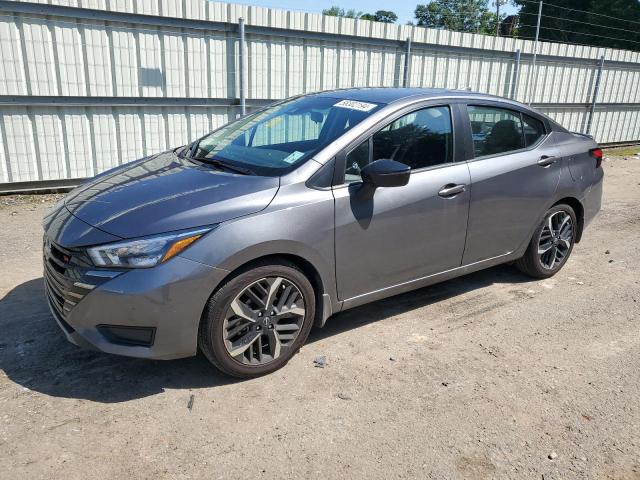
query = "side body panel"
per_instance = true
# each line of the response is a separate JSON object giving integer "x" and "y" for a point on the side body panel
{"x": 298, "y": 222}
{"x": 426, "y": 281}
{"x": 592, "y": 200}
{"x": 399, "y": 233}
{"x": 583, "y": 178}
{"x": 509, "y": 193}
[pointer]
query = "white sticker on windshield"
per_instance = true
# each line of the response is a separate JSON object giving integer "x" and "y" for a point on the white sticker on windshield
{"x": 293, "y": 157}
{"x": 354, "y": 105}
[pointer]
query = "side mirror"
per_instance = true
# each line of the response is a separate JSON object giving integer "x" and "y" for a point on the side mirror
{"x": 386, "y": 173}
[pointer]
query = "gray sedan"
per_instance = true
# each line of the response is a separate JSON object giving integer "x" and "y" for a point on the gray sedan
{"x": 239, "y": 243}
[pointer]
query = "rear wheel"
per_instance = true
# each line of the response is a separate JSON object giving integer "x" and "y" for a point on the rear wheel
{"x": 551, "y": 244}
{"x": 258, "y": 320}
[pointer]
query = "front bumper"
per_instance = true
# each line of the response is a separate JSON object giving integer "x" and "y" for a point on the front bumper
{"x": 167, "y": 299}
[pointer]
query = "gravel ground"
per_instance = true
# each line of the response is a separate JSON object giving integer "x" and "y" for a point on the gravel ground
{"x": 487, "y": 376}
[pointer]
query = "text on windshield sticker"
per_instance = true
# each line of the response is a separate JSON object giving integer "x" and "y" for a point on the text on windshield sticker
{"x": 354, "y": 105}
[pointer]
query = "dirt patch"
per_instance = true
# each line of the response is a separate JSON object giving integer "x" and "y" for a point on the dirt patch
{"x": 30, "y": 202}
{"x": 487, "y": 376}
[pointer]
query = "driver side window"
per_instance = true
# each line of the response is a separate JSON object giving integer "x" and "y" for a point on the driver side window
{"x": 420, "y": 139}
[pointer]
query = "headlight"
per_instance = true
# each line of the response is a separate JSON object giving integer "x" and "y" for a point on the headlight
{"x": 144, "y": 252}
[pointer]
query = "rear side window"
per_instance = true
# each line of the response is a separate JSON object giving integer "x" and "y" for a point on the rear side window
{"x": 423, "y": 138}
{"x": 495, "y": 130}
{"x": 533, "y": 130}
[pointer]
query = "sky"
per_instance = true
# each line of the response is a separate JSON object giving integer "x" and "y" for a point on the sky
{"x": 403, "y": 8}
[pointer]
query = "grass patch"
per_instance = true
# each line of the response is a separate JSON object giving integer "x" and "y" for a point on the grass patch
{"x": 621, "y": 151}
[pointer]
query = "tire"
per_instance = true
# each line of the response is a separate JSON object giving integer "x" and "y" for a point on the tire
{"x": 266, "y": 335}
{"x": 539, "y": 265}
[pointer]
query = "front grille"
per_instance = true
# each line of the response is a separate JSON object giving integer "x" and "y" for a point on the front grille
{"x": 64, "y": 281}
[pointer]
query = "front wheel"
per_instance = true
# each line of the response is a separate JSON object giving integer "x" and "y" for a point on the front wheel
{"x": 258, "y": 320}
{"x": 551, "y": 244}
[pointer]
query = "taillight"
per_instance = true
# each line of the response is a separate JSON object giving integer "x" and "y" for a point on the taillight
{"x": 597, "y": 154}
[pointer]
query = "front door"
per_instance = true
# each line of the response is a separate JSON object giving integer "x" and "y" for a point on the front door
{"x": 400, "y": 234}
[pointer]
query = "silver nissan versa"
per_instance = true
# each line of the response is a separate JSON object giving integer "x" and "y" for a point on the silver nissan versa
{"x": 240, "y": 242}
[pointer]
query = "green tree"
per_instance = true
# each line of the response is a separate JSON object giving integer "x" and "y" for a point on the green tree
{"x": 588, "y": 22}
{"x": 458, "y": 15}
{"x": 384, "y": 16}
{"x": 341, "y": 12}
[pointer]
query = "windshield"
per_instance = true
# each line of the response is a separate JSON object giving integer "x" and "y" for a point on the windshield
{"x": 279, "y": 138}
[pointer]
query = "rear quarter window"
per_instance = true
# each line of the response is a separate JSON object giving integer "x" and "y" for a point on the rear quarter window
{"x": 533, "y": 130}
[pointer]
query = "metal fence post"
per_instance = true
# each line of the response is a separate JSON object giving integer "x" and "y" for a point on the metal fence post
{"x": 241, "y": 67}
{"x": 594, "y": 98}
{"x": 516, "y": 74}
{"x": 532, "y": 73}
{"x": 407, "y": 63}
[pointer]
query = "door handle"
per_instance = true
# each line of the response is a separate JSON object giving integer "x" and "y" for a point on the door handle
{"x": 546, "y": 160}
{"x": 451, "y": 190}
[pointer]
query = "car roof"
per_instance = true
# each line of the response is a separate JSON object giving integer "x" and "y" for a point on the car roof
{"x": 391, "y": 95}
{"x": 394, "y": 94}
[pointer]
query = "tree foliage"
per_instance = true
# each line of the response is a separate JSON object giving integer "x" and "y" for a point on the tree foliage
{"x": 385, "y": 16}
{"x": 577, "y": 26}
{"x": 458, "y": 15}
{"x": 604, "y": 23}
{"x": 336, "y": 11}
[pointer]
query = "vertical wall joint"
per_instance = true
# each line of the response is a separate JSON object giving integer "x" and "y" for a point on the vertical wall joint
{"x": 594, "y": 97}
{"x": 407, "y": 63}
{"x": 516, "y": 76}
{"x": 242, "y": 67}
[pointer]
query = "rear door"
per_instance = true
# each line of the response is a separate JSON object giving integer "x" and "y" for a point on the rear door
{"x": 514, "y": 174}
{"x": 401, "y": 233}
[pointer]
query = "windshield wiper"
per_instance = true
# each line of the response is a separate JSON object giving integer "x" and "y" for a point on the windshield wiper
{"x": 222, "y": 164}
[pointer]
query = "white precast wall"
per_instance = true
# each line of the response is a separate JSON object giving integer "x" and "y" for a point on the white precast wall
{"x": 86, "y": 85}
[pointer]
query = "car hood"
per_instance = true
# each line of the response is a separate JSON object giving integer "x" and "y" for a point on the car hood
{"x": 165, "y": 193}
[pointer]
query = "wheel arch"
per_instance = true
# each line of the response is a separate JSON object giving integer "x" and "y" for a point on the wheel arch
{"x": 321, "y": 286}
{"x": 567, "y": 199}
{"x": 578, "y": 208}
